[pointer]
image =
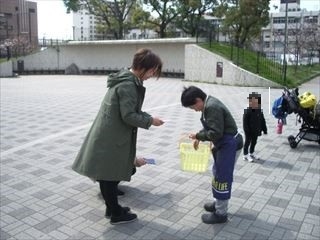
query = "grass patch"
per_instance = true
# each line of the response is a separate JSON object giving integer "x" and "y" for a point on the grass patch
{"x": 2, "y": 60}
{"x": 264, "y": 67}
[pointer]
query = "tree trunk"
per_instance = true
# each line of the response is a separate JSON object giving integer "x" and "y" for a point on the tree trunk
{"x": 162, "y": 32}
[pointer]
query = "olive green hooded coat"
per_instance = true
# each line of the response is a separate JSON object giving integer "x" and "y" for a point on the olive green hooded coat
{"x": 109, "y": 149}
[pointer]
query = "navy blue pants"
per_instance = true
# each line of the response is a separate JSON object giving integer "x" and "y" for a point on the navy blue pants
{"x": 224, "y": 155}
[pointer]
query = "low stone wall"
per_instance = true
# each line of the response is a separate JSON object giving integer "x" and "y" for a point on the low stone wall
{"x": 181, "y": 57}
{"x": 202, "y": 65}
{"x": 95, "y": 56}
{"x": 6, "y": 69}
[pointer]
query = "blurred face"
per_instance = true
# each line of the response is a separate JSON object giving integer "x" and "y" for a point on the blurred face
{"x": 198, "y": 106}
{"x": 254, "y": 103}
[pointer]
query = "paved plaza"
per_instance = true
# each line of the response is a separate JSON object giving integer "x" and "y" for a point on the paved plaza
{"x": 44, "y": 120}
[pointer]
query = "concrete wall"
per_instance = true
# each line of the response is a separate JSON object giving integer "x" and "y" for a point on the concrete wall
{"x": 108, "y": 54}
{"x": 6, "y": 69}
{"x": 201, "y": 66}
{"x": 178, "y": 55}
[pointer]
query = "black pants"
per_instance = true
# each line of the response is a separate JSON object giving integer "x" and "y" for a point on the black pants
{"x": 109, "y": 191}
{"x": 251, "y": 140}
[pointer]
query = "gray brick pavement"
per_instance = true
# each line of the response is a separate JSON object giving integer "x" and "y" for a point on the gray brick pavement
{"x": 45, "y": 118}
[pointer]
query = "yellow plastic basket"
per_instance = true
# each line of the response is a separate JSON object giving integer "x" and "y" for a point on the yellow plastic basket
{"x": 192, "y": 160}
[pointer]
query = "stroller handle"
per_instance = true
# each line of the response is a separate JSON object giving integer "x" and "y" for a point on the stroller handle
{"x": 294, "y": 92}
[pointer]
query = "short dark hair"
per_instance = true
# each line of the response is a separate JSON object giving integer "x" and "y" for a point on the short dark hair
{"x": 190, "y": 94}
{"x": 255, "y": 95}
{"x": 144, "y": 59}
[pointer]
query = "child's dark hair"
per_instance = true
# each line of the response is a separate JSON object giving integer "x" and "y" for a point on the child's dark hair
{"x": 144, "y": 59}
{"x": 189, "y": 95}
{"x": 255, "y": 95}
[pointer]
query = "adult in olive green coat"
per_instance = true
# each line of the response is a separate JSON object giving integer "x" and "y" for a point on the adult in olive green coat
{"x": 109, "y": 149}
{"x": 108, "y": 153}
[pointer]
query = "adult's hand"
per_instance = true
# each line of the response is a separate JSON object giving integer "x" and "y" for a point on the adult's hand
{"x": 138, "y": 162}
{"x": 157, "y": 121}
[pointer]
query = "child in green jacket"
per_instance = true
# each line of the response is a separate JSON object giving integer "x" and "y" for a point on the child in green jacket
{"x": 220, "y": 128}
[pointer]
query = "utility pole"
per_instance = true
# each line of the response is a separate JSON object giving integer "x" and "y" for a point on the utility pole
{"x": 73, "y": 33}
{"x": 285, "y": 45}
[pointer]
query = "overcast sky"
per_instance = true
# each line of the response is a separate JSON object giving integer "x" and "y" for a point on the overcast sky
{"x": 55, "y": 23}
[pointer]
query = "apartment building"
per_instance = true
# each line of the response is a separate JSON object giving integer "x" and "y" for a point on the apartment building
{"x": 301, "y": 33}
{"x": 19, "y": 21}
{"x": 85, "y": 26}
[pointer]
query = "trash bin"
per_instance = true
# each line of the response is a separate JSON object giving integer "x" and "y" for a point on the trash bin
{"x": 20, "y": 66}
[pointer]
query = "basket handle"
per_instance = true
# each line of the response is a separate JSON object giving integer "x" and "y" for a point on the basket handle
{"x": 185, "y": 136}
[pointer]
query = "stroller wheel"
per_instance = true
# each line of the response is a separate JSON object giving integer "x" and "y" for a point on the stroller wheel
{"x": 292, "y": 141}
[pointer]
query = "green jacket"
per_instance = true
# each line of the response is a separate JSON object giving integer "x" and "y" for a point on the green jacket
{"x": 218, "y": 121}
{"x": 109, "y": 149}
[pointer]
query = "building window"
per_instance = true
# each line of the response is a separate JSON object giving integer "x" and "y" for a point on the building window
{"x": 278, "y": 20}
{"x": 311, "y": 19}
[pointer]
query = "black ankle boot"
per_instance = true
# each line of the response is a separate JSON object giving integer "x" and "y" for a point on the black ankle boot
{"x": 108, "y": 211}
{"x": 125, "y": 217}
{"x": 210, "y": 207}
{"x": 214, "y": 218}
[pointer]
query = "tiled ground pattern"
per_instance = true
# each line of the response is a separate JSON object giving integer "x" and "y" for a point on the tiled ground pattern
{"x": 44, "y": 120}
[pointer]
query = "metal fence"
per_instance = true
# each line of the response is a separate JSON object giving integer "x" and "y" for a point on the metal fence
{"x": 257, "y": 62}
{"x": 43, "y": 42}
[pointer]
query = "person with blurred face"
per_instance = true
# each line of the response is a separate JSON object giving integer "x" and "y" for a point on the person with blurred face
{"x": 253, "y": 124}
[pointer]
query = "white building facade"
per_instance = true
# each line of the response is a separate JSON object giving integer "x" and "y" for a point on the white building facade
{"x": 301, "y": 34}
{"x": 85, "y": 26}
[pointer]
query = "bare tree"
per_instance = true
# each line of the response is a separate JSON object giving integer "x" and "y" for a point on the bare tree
{"x": 312, "y": 38}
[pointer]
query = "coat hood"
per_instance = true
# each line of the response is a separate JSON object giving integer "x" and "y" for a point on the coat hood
{"x": 121, "y": 76}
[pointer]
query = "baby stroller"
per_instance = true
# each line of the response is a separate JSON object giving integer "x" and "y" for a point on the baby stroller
{"x": 308, "y": 117}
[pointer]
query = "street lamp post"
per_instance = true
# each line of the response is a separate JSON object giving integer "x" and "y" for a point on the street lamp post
{"x": 73, "y": 32}
{"x": 210, "y": 36}
{"x": 285, "y": 45}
